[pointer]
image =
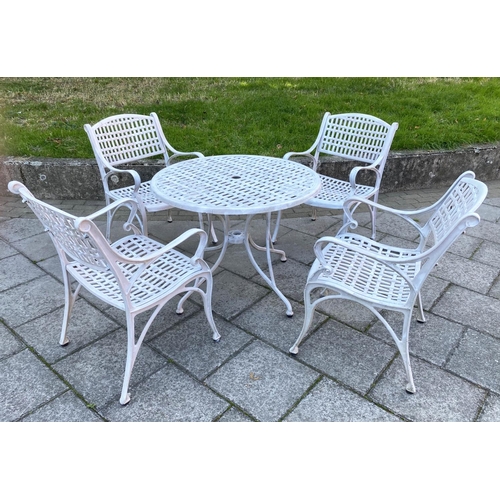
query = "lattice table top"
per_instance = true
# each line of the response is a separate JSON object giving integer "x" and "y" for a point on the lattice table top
{"x": 236, "y": 184}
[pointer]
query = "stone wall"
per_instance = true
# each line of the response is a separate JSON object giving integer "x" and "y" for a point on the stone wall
{"x": 79, "y": 179}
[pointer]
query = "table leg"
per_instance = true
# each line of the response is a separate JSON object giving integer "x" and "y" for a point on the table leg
{"x": 269, "y": 249}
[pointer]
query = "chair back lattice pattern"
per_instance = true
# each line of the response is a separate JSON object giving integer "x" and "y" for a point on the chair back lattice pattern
{"x": 354, "y": 136}
{"x": 66, "y": 237}
{"x": 463, "y": 199}
{"x": 125, "y": 138}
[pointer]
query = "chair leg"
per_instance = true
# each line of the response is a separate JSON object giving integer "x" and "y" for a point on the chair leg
{"x": 420, "y": 316}
{"x": 308, "y": 316}
{"x": 405, "y": 352}
{"x": 69, "y": 301}
{"x": 373, "y": 213}
{"x": 207, "y": 305}
{"x": 131, "y": 355}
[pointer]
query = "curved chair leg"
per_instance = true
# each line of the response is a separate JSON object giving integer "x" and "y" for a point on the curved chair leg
{"x": 373, "y": 214}
{"x": 207, "y": 305}
{"x": 308, "y": 316}
{"x": 420, "y": 316}
{"x": 69, "y": 301}
{"x": 131, "y": 355}
{"x": 405, "y": 352}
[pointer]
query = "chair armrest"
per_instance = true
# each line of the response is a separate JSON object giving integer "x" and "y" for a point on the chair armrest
{"x": 352, "y": 203}
{"x": 306, "y": 154}
{"x": 135, "y": 176}
{"x": 130, "y": 203}
{"x": 371, "y": 168}
{"x": 178, "y": 154}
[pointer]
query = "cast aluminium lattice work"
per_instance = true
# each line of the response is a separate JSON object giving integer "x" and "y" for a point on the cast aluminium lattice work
{"x": 383, "y": 277}
{"x": 232, "y": 185}
{"x": 124, "y": 139}
{"x": 356, "y": 137}
{"x": 134, "y": 274}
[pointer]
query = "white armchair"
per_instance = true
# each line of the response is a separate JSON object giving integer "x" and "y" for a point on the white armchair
{"x": 349, "y": 136}
{"x": 134, "y": 274}
{"x": 383, "y": 277}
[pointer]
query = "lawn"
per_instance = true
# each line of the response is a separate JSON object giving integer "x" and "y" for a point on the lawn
{"x": 44, "y": 117}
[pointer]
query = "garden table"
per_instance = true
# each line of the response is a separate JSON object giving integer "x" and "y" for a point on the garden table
{"x": 232, "y": 185}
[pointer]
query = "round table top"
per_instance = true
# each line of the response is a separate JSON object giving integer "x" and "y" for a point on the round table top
{"x": 235, "y": 184}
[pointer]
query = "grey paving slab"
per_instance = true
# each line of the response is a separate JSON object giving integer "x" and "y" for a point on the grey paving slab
{"x": 471, "y": 309}
{"x": 465, "y": 246}
{"x": 477, "y": 358}
{"x": 236, "y": 260}
{"x": 36, "y": 248}
{"x": 351, "y": 357}
{"x": 266, "y": 320}
{"x": 486, "y": 230}
{"x": 64, "y": 408}
{"x": 96, "y": 371}
{"x": 489, "y": 212}
{"x": 262, "y": 381}
{"x": 495, "y": 290}
{"x": 234, "y": 415}
{"x": 191, "y": 345}
{"x": 17, "y": 269}
{"x": 465, "y": 272}
{"x": 25, "y": 383}
{"x": 488, "y": 253}
{"x": 85, "y": 326}
{"x": 9, "y": 344}
{"x": 440, "y": 396}
{"x": 233, "y": 294}
{"x": 6, "y": 250}
{"x": 390, "y": 224}
{"x": 433, "y": 340}
{"x": 346, "y": 311}
{"x": 168, "y": 396}
{"x": 31, "y": 300}
{"x": 165, "y": 319}
{"x": 312, "y": 227}
{"x": 291, "y": 277}
{"x": 328, "y": 401}
{"x": 432, "y": 290}
{"x": 491, "y": 409}
{"x": 298, "y": 246}
{"x": 17, "y": 229}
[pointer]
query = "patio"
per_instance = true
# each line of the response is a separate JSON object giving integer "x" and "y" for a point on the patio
{"x": 182, "y": 375}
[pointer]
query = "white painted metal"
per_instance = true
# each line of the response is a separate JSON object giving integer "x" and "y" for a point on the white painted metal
{"x": 383, "y": 277}
{"x": 134, "y": 274}
{"x": 233, "y": 185}
{"x": 350, "y": 136}
{"x": 122, "y": 139}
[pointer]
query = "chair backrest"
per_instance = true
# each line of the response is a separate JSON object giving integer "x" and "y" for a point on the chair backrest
{"x": 121, "y": 139}
{"x": 460, "y": 202}
{"x": 62, "y": 228}
{"x": 355, "y": 136}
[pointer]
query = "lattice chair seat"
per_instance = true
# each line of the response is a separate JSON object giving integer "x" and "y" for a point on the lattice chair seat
{"x": 383, "y": 277}
{"x": 150, "y": 201}
{"x": 124, "y": 139}
{"x": 334, "y": 192}
{"x": 355, "y": 137}
{"x": 135, "y": 274}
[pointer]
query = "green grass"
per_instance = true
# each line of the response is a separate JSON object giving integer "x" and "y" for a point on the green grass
{"x": 44, "y": 117}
